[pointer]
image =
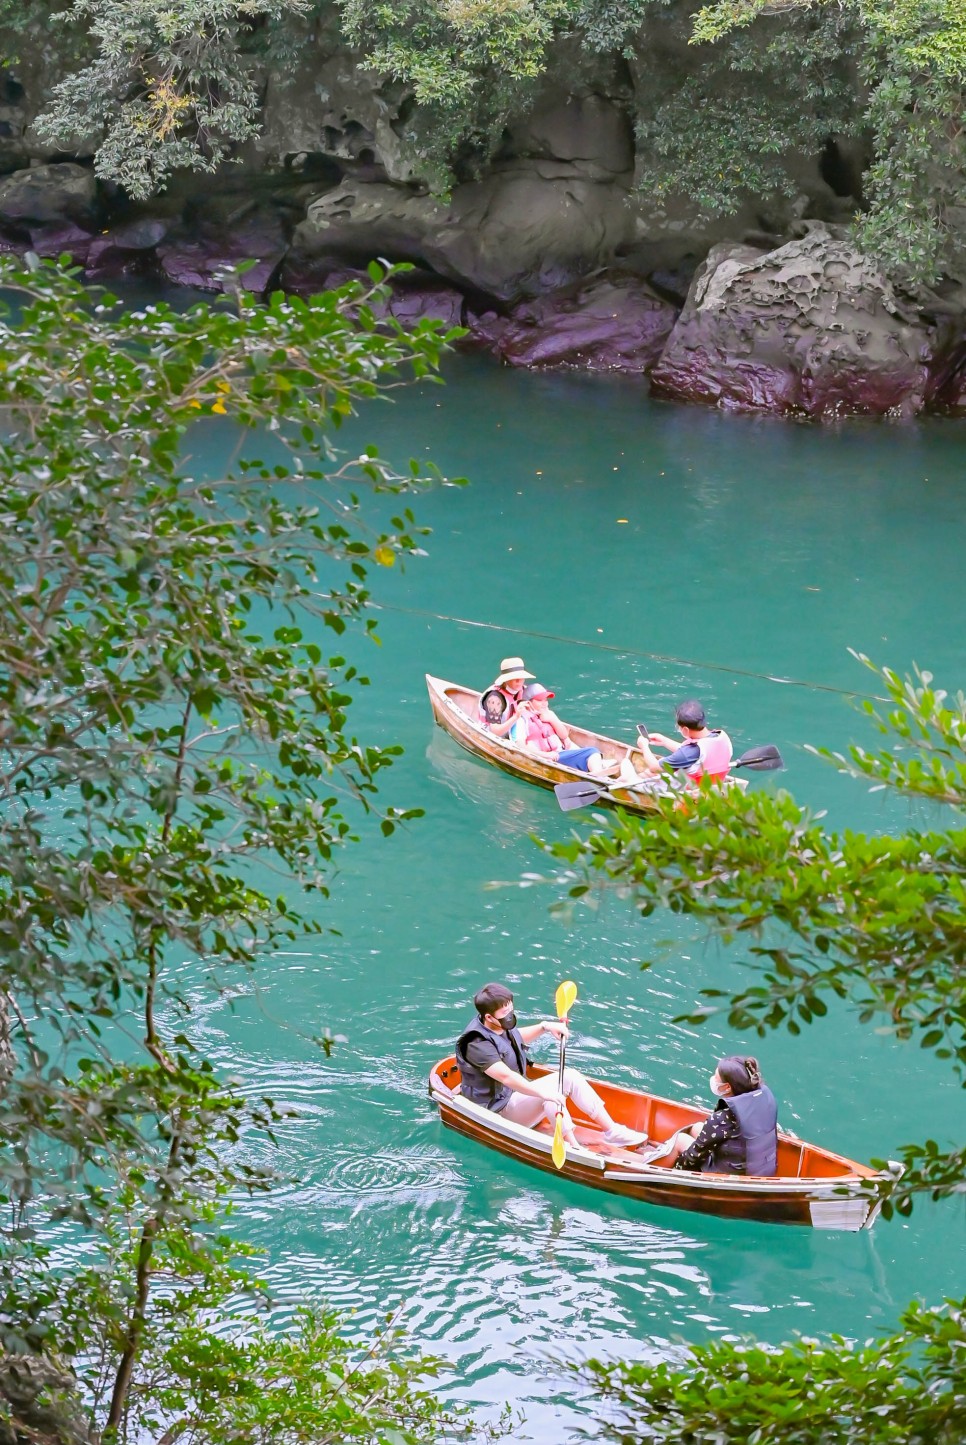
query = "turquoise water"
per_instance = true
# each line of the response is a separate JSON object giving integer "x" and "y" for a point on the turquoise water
{"x": 749, "y": 551}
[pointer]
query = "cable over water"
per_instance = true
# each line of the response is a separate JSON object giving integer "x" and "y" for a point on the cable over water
{"x": 629, "y": 651}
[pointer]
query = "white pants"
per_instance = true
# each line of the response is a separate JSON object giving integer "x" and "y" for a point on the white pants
{"x": 526, "y": 1110}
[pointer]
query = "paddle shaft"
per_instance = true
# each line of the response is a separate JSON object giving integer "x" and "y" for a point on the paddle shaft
{"x": 562, "y": 1064}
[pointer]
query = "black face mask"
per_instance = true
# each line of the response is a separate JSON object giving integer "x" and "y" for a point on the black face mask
{"x": 508, "y": 1021}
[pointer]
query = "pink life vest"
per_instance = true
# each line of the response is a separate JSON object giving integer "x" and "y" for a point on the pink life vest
{"x": 715, "y": 758}
{"x": 544, "y": 734}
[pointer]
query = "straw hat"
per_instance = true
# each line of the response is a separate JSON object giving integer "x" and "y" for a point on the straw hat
{"x": 510, "y": 668}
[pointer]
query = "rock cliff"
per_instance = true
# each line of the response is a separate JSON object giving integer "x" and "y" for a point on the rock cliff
{"x": 551, "y": 257}
{"x": 811, "y": 327}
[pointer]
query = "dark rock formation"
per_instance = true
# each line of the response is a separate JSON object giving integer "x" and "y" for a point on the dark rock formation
{"x": 414, "y": 295}
{"x": 14, "y": 154}
{"x": 63, "y": 239}
{"x": 552, "y": 210}
{"x": 43, "y": 1403}
{"x": 812, "y": 327}
{"x": 334, "y": 108}
{"x": 523, "y": 229}
{"x": 49, "y": 195}
{"x": 200, "y": 260}
{"x": 551, "y": 256}
{"x": 611, "y": 323}
{"x": 423, "y": 296}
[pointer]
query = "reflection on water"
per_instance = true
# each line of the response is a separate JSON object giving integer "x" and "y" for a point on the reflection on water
{"x": 509, "y": 808}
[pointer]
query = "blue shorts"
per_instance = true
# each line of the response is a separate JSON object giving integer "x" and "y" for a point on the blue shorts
{"x": 576, "y": 757}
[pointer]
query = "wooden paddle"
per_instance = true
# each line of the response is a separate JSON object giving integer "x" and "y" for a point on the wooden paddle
{"x": 764, "y": 759}
{"x": 564, "y": 1000}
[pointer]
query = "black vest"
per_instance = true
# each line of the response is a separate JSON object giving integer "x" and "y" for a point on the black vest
{"x": 755, "y": 1149}
{"x": 478, "y": 1087}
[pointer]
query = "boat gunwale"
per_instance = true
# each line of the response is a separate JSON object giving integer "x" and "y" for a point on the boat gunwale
{"x": 834, "y": 1186}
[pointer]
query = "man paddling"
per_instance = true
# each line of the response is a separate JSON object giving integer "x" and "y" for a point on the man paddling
{"x": 492, "y": 1055}
{"x": 704, "y": 753}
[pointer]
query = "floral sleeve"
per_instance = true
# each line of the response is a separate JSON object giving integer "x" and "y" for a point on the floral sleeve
{"x": 720, "y": 1126}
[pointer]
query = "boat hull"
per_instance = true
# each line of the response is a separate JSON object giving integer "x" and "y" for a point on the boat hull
{"x": 835, "y": 1193}
{"x": 454, "y": 709}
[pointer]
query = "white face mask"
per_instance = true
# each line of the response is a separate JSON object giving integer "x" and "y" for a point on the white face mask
{"x": 716, "y": 1089}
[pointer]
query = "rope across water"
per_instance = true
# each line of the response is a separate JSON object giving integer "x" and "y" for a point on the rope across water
{"x": 627, "y": 651}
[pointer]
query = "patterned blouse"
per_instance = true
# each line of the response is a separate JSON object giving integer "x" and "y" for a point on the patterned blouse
{"x": 722, "y": 1125}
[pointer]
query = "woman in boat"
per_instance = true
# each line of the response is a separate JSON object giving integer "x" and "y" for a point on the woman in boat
{"x": 548, "y": 737}
{"x": 508, "y": 685}
{"x": 741, "y": 1136}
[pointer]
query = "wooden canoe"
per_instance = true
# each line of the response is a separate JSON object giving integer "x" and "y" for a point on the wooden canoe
{"x": 455, "y": 709}
{"x": 813, "y": 1187}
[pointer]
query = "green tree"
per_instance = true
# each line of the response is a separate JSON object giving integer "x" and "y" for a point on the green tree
{"x": 907, "y": 1389}
{"x": 912, "y": 61}
{"x": 168, "y": 86}
{"x": 160, "y": 86}
{"x": 166, "y": 724}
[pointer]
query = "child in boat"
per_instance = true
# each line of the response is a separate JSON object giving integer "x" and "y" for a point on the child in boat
{"x": 548, "y": 737}
{"x": 493, "y": 705}
{"x": 509, "y": 684}
{"x": 741, "y": 1136}
{"x": 495, "y": 708}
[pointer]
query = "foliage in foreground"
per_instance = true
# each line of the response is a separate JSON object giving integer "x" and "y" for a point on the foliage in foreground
{"x": 170, "y": 733}
{"x": 906, "y": 1389}
{"x": 877, "y": 919}
{"x": 212, "y": 1373}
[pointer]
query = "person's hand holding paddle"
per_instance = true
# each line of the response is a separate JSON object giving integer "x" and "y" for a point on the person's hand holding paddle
{"x": 564, "y": 1001}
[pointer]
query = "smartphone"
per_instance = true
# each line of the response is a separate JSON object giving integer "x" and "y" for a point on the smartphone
{"x": 643, "y": 732}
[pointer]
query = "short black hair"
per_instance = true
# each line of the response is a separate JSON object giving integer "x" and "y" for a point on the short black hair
{"x": 690, "y": 714}
{"x": 491, "y": 997}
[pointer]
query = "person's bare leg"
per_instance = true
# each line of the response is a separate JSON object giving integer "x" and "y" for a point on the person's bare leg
{"x": 682, "y": 1141}
{"x": 526, "y": 1109}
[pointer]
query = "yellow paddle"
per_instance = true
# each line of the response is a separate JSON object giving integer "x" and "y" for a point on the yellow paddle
{"x": 564, "y": 999}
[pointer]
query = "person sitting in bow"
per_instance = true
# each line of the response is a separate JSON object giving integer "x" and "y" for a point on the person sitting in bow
{"x": 492, "y": 1056}
{"x": 741, "y": 1136}
{"x": 508, "y": 686}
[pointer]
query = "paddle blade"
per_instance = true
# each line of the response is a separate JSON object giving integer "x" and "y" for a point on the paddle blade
{"x": 565, "y": 997}
{"x": 761, "y": 760}
{"x": 577, "y": 795}
{"x": 558, "y": 1152}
